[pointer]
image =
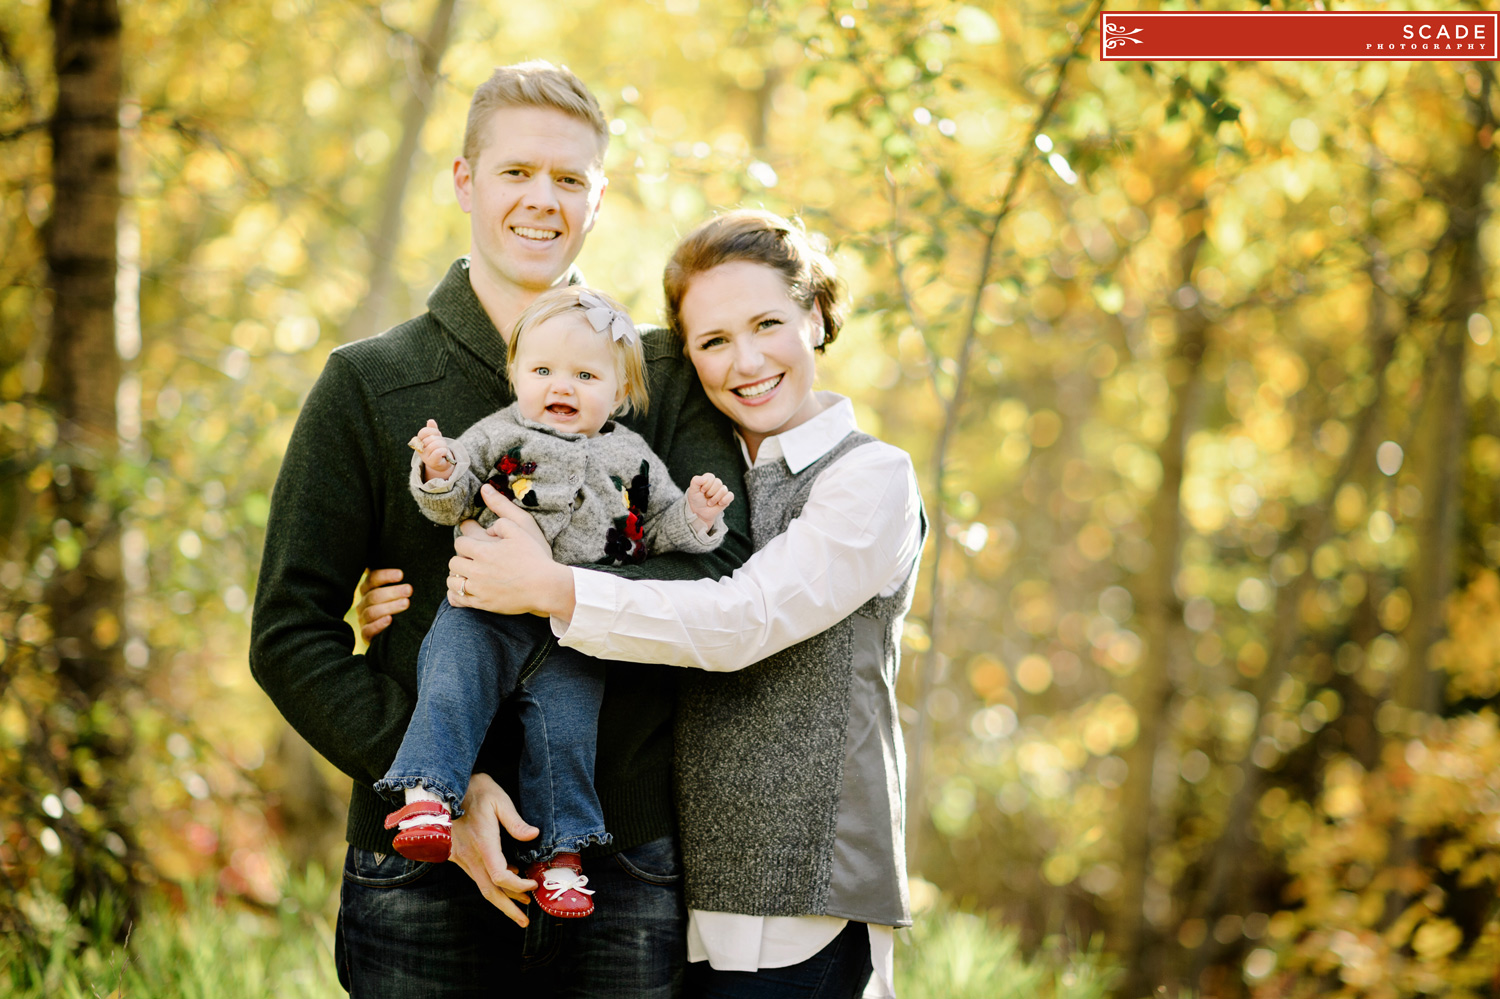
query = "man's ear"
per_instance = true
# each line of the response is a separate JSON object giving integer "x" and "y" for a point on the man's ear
{"x": 598, "y": 200}
{"x": 463, "y": 183}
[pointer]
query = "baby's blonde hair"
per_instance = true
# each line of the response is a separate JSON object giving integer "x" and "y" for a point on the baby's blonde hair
{"x": 630, "y": 359}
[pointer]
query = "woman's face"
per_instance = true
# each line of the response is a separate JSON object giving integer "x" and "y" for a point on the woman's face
{"x": 752, "y": 346}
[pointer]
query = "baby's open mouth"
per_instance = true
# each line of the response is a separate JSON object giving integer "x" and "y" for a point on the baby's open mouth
{"x": 562, "y": 409}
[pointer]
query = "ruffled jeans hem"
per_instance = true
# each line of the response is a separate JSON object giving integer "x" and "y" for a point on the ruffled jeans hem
{"x": 394, "y": 788}
{"x": 565, "y": 844}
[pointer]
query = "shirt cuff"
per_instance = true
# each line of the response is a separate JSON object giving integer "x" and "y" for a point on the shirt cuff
{"x": 593, "y": 610}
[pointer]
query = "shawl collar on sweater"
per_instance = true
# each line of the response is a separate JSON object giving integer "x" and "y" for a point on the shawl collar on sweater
{"x": 481, "y": 353}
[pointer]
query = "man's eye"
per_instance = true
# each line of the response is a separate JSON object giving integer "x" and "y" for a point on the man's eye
{"x": 573, "y": 181}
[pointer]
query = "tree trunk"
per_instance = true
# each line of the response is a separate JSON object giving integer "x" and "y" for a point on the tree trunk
{"x": 81, "y": 378}
{"x": 1226, "y": 860}
{"x": 1149, "y": 689}
{"x": 370, "y": 317}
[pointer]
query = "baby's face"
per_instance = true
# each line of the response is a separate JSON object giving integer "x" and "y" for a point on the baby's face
{"x": 564, "y": 375}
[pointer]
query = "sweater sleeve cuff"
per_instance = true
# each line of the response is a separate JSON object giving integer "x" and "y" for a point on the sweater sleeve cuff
{"x": 709, "y": 536}
{"x": 436, "y": 487}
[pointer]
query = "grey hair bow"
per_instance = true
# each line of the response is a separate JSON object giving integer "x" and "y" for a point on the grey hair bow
{"x": 603, "y": 316}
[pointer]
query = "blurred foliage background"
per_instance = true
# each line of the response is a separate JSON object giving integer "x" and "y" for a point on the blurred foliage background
{"x": 1197, "y": 362}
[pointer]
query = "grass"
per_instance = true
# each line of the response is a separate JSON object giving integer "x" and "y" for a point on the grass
{"x": 200, "y": 949}
{"x": 949, "y": 954}
{"x": 203, "y": 948}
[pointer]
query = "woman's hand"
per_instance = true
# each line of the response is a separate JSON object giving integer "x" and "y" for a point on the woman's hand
{"x": 476, "y": 846}
{"x": 380, "y": 600}
{"x": 508, "y": 569}
{"x": 506, "y": 510}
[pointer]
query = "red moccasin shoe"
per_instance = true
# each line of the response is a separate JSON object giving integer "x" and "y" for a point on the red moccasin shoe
{"x": 560, "y": 887}
{"x": 424, "y": 831}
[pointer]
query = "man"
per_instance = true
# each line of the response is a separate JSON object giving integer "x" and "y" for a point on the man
{"x": 531, "y": 179}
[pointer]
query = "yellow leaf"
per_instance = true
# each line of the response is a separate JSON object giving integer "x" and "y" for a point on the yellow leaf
{"x": 1437, "y": 938}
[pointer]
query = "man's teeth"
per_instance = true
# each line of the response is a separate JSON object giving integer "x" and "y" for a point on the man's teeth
{"x": 758, "y": 389}
{"x": 534, "y": 233}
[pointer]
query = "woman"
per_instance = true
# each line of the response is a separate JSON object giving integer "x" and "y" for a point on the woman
{"x": 789, "y": 773}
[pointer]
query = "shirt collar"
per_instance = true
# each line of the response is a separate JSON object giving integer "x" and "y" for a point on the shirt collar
{"x": 807, "y": 442}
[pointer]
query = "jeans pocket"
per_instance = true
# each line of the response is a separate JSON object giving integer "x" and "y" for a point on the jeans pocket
{"x": 381, "y": 870}
{"x": 655, "y": 863}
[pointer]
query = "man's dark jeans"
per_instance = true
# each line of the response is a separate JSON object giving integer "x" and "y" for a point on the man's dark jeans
{"x": 408, "y": 929}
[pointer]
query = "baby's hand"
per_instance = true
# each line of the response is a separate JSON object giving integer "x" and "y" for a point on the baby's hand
{"x": 437, "y": 461}
{"x": 707, "y": 498}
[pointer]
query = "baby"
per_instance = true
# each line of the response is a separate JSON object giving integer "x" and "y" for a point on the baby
{"x": 601, "y": 496}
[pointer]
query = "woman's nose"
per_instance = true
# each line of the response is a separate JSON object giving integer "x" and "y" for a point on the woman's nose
{"x": 747, "y": 356}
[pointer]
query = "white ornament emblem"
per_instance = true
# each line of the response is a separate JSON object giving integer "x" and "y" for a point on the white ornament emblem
{"x": 1115, "y": 34}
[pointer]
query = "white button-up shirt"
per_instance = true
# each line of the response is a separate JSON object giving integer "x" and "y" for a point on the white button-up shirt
{"x": 857, "y": 537}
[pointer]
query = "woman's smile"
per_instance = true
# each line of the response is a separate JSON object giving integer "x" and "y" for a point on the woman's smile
{"x": 756, "y": 393}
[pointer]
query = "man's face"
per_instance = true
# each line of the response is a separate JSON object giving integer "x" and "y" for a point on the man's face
{"x": 532, "y": 196}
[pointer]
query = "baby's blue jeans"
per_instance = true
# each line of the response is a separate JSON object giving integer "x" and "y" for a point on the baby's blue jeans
{"x": 471, "y": 661}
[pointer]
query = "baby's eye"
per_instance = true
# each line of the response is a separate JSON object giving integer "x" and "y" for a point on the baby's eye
{"x": 544, "y": 371}
{"x": 585, "y": 375}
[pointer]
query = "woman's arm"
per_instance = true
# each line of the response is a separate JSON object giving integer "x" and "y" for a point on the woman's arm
{"x": 859, "y": 532}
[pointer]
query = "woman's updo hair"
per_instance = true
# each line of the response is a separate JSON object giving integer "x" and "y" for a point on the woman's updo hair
{"x": 759, "y": 237}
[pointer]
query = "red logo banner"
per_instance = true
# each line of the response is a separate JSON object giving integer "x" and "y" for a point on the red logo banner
{"x": 1298, "y": 35}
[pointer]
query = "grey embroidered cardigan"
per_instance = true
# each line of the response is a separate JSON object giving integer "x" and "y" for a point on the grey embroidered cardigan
{"x": 603, "y": 499}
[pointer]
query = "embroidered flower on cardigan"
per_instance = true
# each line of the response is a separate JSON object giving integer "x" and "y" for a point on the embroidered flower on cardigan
{"x": 511, "y": 480}
{"x": 625, "y": 542}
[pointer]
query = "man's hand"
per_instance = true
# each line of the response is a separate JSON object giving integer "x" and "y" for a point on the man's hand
{"x": 380, "y": 599}
{"x": 707, "y": 497}
{"x": 476, "y": 846}
{"x": 437, "y": 460}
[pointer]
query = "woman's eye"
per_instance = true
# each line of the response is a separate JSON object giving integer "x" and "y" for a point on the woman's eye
{"x": 767, "y": 323}
{"x": 712, "y": 341}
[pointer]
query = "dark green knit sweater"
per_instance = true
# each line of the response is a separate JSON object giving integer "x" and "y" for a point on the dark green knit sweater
{"x": 341, "y": 505}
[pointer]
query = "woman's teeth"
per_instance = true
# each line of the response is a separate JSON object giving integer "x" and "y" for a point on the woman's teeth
{"x": 759, "y": 388}
{"x": 534, "y": 233}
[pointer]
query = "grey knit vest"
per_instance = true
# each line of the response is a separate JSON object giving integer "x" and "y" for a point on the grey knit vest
{"x": 772, "y": 823}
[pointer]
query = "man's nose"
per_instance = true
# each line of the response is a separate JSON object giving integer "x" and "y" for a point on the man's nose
{"x": 540, "y": 193}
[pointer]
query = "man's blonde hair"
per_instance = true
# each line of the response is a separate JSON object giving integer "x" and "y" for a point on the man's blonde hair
{"x": 534, "y": 84}
{"x": 630, "y": 358}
